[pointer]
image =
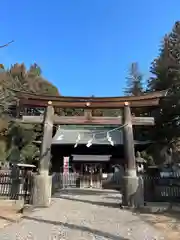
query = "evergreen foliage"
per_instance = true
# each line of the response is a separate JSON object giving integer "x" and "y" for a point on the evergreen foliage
{"x": 166, "y": 76}
{"x": 165, "y": 71}
{"x": 19, "y": 138}
{"x": 134, "y": 81}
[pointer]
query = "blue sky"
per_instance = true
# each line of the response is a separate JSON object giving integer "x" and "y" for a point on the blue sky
{"x": 85, "y": 47}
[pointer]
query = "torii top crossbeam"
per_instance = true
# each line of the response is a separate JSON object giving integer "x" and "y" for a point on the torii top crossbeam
{"x": 149, "y": 99}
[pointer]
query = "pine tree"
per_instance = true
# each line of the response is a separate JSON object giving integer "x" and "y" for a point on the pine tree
{"x": 135, "y": 88}
{"x": 134, "y": 81}
{"x": 34, "y": 70}
{"x": 166, "y": 76}
{"x": 164, "y": 68}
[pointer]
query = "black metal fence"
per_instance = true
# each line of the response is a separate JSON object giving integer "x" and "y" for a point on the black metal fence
{"x": 16, "y": 187}
{"x": 162, "y": 188}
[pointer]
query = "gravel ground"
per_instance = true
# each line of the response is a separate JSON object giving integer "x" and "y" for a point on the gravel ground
{"x": 82, "y": 215}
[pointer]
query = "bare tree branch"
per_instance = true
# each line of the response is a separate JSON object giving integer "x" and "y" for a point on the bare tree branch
{"x": 7, "y": 44}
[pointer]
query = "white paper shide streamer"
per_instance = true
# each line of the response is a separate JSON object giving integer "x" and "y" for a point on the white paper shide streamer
{"x": 93, "y": 138}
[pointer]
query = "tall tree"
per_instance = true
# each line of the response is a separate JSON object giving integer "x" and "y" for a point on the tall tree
{"x": 165, "y": 71}
{"x": 134, "y": 81}
{"x": 166, "y": 76}
{"x": 165, "y": 67}
{"x": 135, "y": 88}
{"x": 20, "y": 137}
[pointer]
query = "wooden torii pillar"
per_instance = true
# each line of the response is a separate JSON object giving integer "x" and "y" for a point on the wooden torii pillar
{"x": 133, "y": 195}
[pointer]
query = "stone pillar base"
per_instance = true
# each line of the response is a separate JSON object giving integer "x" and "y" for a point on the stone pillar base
{"x": 42, "y": 190}
{"x": 133, "y": 192}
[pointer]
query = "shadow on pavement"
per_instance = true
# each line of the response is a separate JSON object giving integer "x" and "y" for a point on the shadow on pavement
{"x": 166, "y": 221}
{"x": 76, "y": 227}
{"x": 78, "y": 191}
{"x": 114, "y": 198}
{"x": 7, "y": 219}
{"x": 166, "y": 212}
{"x": 104, "y": 204}
{"x": 172, "y": 216}
{"x": 172, "y": 213}
{"x": 10, "y": 216}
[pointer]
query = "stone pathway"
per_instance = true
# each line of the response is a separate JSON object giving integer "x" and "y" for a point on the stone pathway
{"x": 8, "y": 217}
{"x": 168, "y": 223}
{"x": 82, "y": 215}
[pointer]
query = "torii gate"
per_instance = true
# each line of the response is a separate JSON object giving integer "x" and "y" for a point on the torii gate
{"x": 43, "y": 181}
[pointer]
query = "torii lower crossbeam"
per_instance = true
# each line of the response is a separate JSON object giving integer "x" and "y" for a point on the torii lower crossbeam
{"x": 80, "y": 120}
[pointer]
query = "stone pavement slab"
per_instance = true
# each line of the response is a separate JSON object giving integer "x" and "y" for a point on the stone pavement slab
{"x": 82, "y": 215}
{"x": 8, "y": 217}
{"x": 167, "y": 222}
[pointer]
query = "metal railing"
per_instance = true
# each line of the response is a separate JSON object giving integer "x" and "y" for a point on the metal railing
{"x": 162, "y": 188}
{"x": 16, "y": 188}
